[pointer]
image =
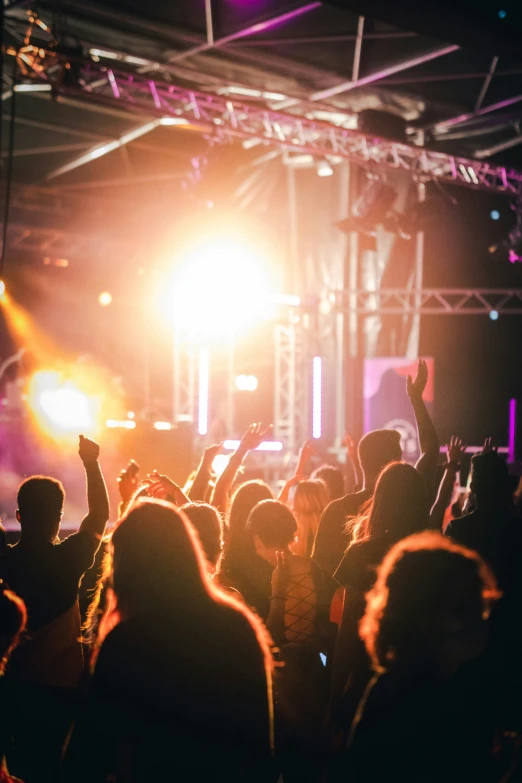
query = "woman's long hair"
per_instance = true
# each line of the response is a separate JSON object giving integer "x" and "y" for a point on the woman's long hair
{"x": 420, "y": 577}
{"x": 159, "y": 569}
{"x": 399, "y": 506}
{"x": 239, "y": 544}
{"x": 310, "y": 500}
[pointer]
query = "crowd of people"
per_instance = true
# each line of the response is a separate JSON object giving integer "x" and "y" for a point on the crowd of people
{"x": 218, "y": 632}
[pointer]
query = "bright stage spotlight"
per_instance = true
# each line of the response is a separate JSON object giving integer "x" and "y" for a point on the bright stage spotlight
{"x": 221, "y": 287}
{"x": 105, "y": 298}
{"x": 2, "y": 288}
{"x": 60, "y": 406}
{"x": 246, "y": 383}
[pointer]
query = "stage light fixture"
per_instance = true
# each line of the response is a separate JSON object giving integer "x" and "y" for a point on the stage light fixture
{"x": 493, "y": 314}
{"x": 2, "y": 288}
{"x": 162, "y": 425}
{"x": 246, "y": 383}
{"x": 105, "y": 298}
{"x": 324, "y": 169}
{"x": 123, "y": 424}
{"x": 494, "y": 214}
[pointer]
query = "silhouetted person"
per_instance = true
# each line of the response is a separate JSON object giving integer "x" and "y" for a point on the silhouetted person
{"x": 182, "y": 685}
{"x": 13, "y": 619}
{"x": 47, "y": 666}
{"x": 241, "y": 567}
{"x": 399, "y": 508}
{"x": 308, "y": 503}
{"x": 333, "y": 478}
{"x": 207, "y": 524}
{"x": 297, "y": 622}
{"x": 376, "y": 450}
{"x": 494, "y": 528}
{"x": 429, "y": 713}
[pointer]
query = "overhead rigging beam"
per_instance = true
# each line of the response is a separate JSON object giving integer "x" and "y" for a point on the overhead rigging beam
{"x": 247, "y": 31}
{"x": 487, "y": 82}
{"x": 383, "y": 73}
{"x": 435, "y": 301}
{"x": 225, "y": 117}
{"x": 440, "y": 127}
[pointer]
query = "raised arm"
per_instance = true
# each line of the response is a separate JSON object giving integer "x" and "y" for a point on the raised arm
{"x": 198, "y": 490}
{"x": 285, "y": 492}
{"x": 305, "y": 454}
{"x": 97, "y": 497}
{"x": 250, "y": 440}
{"x": 452, "y": 467}
{"x": 353, "y": 458}
{"x": 428, "y": 439}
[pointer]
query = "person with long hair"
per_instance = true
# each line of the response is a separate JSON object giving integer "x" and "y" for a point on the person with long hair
{"x": 309, "y": 501}
{"x": 182, "y": 684}
{"x": 399, "y": 508}
{"x": 13, "y": 620}
{"x": 241, "y": 567}
{"x": 429, "y": 713}
{"x": 297, "y": 622}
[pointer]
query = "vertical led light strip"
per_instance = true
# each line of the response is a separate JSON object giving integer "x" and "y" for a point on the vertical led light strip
{"x": 203, "y": 392}
{"x": 317, "y": 393}
{"x": 512, "y": 430}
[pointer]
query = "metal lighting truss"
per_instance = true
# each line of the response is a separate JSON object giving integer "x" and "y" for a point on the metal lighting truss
{"x": 436, "y": 301}
{"x": 224, "y": 116}
{"x": 290, "y": 387}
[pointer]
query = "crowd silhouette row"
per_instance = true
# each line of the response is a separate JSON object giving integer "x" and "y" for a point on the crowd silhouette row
{"x": 218, "y": 633}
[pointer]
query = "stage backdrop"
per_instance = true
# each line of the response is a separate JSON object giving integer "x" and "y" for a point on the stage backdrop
{"x": 386, "y": 403}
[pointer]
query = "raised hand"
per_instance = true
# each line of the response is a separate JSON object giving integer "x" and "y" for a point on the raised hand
{"x": 89, "y": 451}
{"x": 351, "y": 444}
{"x": 160, "y": 486}
{"x": 253, "y": 437}
{"x": 127, "y": 484}
{"x": 415, "y": 388}
{"x": 211, "y": 453}
{"x": 280, "y": 576}
{"x": 456, "y": 450}
{"x": 488, "y": 447}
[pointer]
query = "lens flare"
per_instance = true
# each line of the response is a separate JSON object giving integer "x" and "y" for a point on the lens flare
{"x": 105, "y": 298}
{"x": 60, "y": 406}
{"x": 221, "y": 287}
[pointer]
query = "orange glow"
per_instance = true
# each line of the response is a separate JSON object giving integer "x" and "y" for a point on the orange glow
{"x": 61, "y": 406}
{"x": 24, "y": 331}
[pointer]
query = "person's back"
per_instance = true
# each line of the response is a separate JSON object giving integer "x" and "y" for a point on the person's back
{"x": 184, "y": 696}
{"x": 376, "y": 450}
{"x": 430, "y": 711}
{"x": 47, "y": 665}
{"x": 182, "y": 682}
